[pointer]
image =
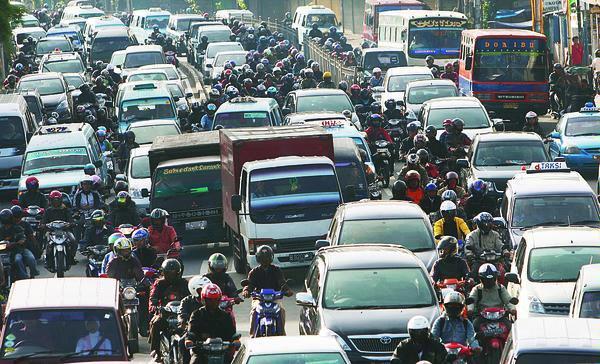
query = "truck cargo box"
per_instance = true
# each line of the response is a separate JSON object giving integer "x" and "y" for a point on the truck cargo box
{"x": 189, "y": 145}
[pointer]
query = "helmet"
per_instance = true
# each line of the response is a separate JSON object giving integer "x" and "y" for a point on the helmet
{"x": 217, "y": 261}
{"x": 17, "y": 211}
{"x": 449, "y": 66}
{"x": 429, "y": 59}
{"x": 487, "y": 271}
{"x": 423, "y": 154}
{"x": 130, "y": 135}
{"x": 431, "y": 186}
{"x": 272, "y": 91}
{"x": 89, "y": 169}
{"x": 449, "y": 195}
{"x": 309, "y": 73}
{"x": 121, "y": 186}
{"x": 97, "y": 217}
{"x": 315, "y": 25}
{"x": 413, "y": 126}
{"x": 171, "y": 269}
{"x": 458, "y": 123}
{"x": 19, "y": 67}
{"x": 158, "y": 217}
{"x": 431, "y": 131}
{"x": 211, "y": 292}
{"x": 451, "y": 175}
{"x": 196, "y": 284}
{"x": 140, "y": 234}
{"x": 264, "y": 254}
{"x": 376, "y": 70}
{"x": 211, "y": 108}
{"x": 376, "y": 107}
{"x": 412, "y": 159}
{"x": 447, "y": 245}
{"x": 123, "y": 248}
{"x": 32, "y": 183}
{"x": 531, "y": 115}
{"x": 454, "y": 298}
{"x": 420, "y": 138}
{"x": 100, "y": 134}
{"x": 412, "y": 175}
{"x": 375, "y": 120}
{"x": 122, "y": 197}
{"x": 478, "y": 188}
{"x": 390, "y": 104}
{"x": 6, "y": 216}
{"x": 112, "y": 239}
{"x": 484, "y": 221}
{"x": 447, "y": 206}
{"x": 399, "y": 189}
{"x": 87, "y": 180}
{"x": 327, "y": 75}
{"x": 418, "y": 328}
{"x": 557, "y": 66}
{"x": 447, "y": 122}
{"x": 55, "y": 195}
{"x": 332, "y": 30}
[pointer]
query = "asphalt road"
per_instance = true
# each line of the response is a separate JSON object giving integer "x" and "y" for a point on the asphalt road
{"x": 195, "y": 257}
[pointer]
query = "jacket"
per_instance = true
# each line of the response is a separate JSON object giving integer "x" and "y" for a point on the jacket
{"x": 461, "y": 228}
{"x": 458, "y": 330}
{"x": 53, "y": 214}
{"x": 204, "y": 324}
{"x": 164, "y": 239}
{"x": 225, "y": 282}
{"x": 146, "y": 256}
{"x": 31, "y": 198}
{"x": 188, "y": 305}
{"x": 406, "y": 352}
{"x": 125, "y": 269}
{"x": 450, "y": 267}
{"x": 429, "y": 204}
{"x": 78, "y": 200}
{"x": 93, "y": 236}
{"x": 163, "y": 292}
{"x": 477, "y": 242}
{"x": 123, "y": 215}
{"x": 415, "y": 195}
{"x": 496, "y": 296}
{"x": 473, "y": 206}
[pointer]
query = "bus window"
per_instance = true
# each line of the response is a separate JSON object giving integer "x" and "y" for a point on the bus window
{"x": 435, "y": 36}
{"x": 509, "y": 61}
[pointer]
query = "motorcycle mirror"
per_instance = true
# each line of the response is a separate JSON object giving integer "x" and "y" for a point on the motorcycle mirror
{"x": 244, "y": 282}
{"x": 514, "y": 300}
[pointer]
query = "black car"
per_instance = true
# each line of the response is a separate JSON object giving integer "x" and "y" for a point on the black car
{"x": 497, "y": 157}
{"x": 364, "y": 295}
{"x": 54, "y": 91}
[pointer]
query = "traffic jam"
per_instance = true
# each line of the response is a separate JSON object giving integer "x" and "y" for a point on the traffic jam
{"x": 203, "y": 183}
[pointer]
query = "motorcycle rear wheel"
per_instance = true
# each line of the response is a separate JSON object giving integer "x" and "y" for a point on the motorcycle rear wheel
{"x": 60, "y": 259}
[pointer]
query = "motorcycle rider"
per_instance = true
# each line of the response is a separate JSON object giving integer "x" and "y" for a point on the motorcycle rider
{"x": 375, "y": 131}
{"x": 451, "y": 327}
{"x": 217, "y": 273}
{"x": 450, "y": 195}
{"x": 155, "y": 33}
{"x": 377, "y": 78}
{"x": 435, "y": 70}
{"x": 479, "y": 199}
{"x": 532, "y": 124}
{"x": 451, "y": 184}
{"x": 391, "y": 112}
{"x": 163, "y": 237}
{"x": 31, "y": 242}
{"x": 399, "y": 191}
{"x": 105, "y": 144}
{"x": 141, "y": 250}
{"x": 558, "y": 85}
{"x": 189, "y": 304}
{"x": 326, "y": 83}
{"x": 456, "y": 140}
{"x": 483, "y": 238}
{"x": 10, "y": 83}
{"x": 315, "y": 32}
{"x": 412, "y": 164}
{"x": 449, "y": 74}
{"x": 309, "y": 79}
{"x": 125, "y": 148}
{"x": 169, "y": 46}
{"x": 266, "y": 275}
{"x": 86, "y": 198}
{"x": 449, "y": 265}
{"x": 413, "y": 186}
{"x": 116, "y": 78}
{"x": 431, "y": 201}
{"x": 408, "y": 143}
{"x": 97, "y": 232}
{"x": 14, "y": 235}
{"x": 33, "y": 196}
{"x": 123, "y": 210}
{"x": 123, "y": 265}
{"x": 435, "y": 147}
{"x": 171, "y": 287}
{"x": 420, "y": 346}
{"x": 207, "y": 119}
{"x": 424, "y": 158}
{"x": 449, "y": 224}
{"x": 209, "y": 321}
{"x": 203, "y": 44}
{"x": 111, "y": 254}
{"x": 87, "y": 96}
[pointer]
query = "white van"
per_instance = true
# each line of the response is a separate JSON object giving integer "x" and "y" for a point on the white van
{"x": 83, "y": 11}
{"x": 305, "y": 16}
{"x": 238, "y": 14}
{"x": 92, "y": 26}
{"x": 143, "y": 22}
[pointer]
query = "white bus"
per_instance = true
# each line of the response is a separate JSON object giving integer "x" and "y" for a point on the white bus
{"x": 420, "y": 33}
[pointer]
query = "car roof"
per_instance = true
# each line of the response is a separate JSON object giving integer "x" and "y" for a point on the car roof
{"x": 143, "y": 48}
{"x": 378, "y": 50}
{"x": 371, "y": 210}
{"x": 556, "y": 334}
{"x": 450, "y": 102}
{"x": 408, "y": 70}
{"x": 229, "y": 53}
{"x": 53, "y": 57}
{"x": 292, "y": 344}
{"x": 142, "y": 150}
{"x": 558, "y": 236}
{"x": 315, "y": 116}
{"x": 319, "y": 91}
{"x": 580, "y": 114}
{"x": 151, "y": 11}
{"x": 62, "y": 28}
{"x": 73, "y": 137}
{"x": 508, "y": 136}
{"x": 149, "y": 71}
{"x": 105, "y": 19}
{"x": 12, "y": 103}
{"x": 433, "y": 82}
{"x": 214, "y": 44}
{"x": 589, "y": 274}
{"x": 44, "y": 293}
{"x": 287, "y": 160}
{"x": 501, "y": 32}
{"x": 245, "y": 104}
{"x": 41, "y": 76}
{"x": 186, "y": 16}
{"x": 132, "y": 90}
{"x": 28, "y": 30}
{"x": 314, "y": 9}
{"x": 111, "y": 32}
{"x": 562, "y": 184}
{"x": 364, "y": 256}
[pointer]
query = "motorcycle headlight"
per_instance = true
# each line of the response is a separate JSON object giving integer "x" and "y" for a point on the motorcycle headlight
{"x": 572, "y": 149}
{"x": 129, "y": 293}
{"x": 341, "y": 342}
{"x": 535, "y": 305}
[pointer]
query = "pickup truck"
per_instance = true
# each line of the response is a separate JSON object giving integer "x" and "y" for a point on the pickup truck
{"x": 279, "y": 189}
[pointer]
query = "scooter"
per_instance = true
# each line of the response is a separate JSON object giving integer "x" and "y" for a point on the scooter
{"x": 397, "y": 130}
{"x": 267, "y": 316}
{"x": 95, "y": 256}
{"x": 130, "y": 300}
{"x": 168, "y": 341}
{"x": 495, "y": 258}
{"x": 214, "y": 349}
{"x": 458, "y": 353}
{"x": 58, "y": 242}
{"x": 382, "y": 157}
{"x": 33, "y": 216}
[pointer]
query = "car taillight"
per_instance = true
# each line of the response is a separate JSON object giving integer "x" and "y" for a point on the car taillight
{"x": 484, "y": 96}
{"x": 255, "y": 243}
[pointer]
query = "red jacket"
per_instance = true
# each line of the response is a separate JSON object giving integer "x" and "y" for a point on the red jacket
{"x": 415, "y": 195}
{"x": 374, "y": 134}
{"x": 576, "y": 54}
{"x": 164, "y": 240}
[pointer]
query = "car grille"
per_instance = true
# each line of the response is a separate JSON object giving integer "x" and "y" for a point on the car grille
{"x": 557, "y": 308}
{"x": 292, "y": 245}
{"x": 4, "y": 173}
{"x": 381, "y": 344}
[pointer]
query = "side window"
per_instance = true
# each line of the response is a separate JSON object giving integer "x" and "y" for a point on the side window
{"x": 94, "y": 147}
{"x": 295, "y": 18}
{"x": 243, "y": 182}
{"x": 313, "y": 283}
{"x": 520, "y": 255}
{"x": 278, "y": 117}
{"x": 31, "y": 122}
{"x": 504, "y": 207}
{"x": 332, "y": 229}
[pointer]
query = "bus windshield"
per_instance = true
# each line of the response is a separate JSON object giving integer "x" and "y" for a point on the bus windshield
{"x": 510, "y": 60}
{"x": 435, "y": 36}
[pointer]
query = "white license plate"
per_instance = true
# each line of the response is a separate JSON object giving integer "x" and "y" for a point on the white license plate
{"x": 301, "y": 257}
{"x": 382, "y": 150}
{"x": 195, "y": 225}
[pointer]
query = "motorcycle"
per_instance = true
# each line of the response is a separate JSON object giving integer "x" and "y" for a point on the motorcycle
{"x": 7, "y": 264}
{"x": 397, "y": 130}
{"x": 492, "y": 334}
{"x": 172, "y": 58}
{"x": 33, "y": 216}
{"x": 168, "y": 340}
{"x": 227, "y": 304}
{"x": 458, "y": 353}
{"x": 58, "y": 242}
{"x": 126, "y": 229}
{"x": 95, "y": 256}
{"x": 382, "y": 157}
{"x": 215, "y": 349}
{"x": 495, "y": 258}
{"x": 84, "y": 221}
{"x": 267, "y": 316}
{"x": 130, "y": 300}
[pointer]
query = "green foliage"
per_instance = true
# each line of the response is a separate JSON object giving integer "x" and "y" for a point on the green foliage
{"x": 485, "y": 13}
{"x": 242, "y": 5}
{"x": 12, "y": 14}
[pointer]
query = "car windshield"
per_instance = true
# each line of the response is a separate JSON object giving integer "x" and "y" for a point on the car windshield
{"x": 383, "y": 60}
{"x": 147, "y": 76}
{"x": 170, "y": 71}
{"x": 175, "y": 90}
{"x": 418, "y": 95}
{"x": 184, "y": 24}
{"x": 45, "y": 46}
{"x": 12, "y": 134}
{"x": 560, "y": 264}
{"x": 34, "y": 34}
{"x": 211, "y": 52}
{"x": 232, "y": 120}
{"x": 46, "y": 86}
{"x": 74, "y": 80}
{"x": 590, "y": 305}
{"x": 474, "y": 117}
{"x": 139, "y": 59}
{"x": 146, "y": 134}
{"x": 509, "y": 153}
{"x": 93, "y": 14}
{"x": 196, "y": 184}
{"x": 216, "y": 36}
{"x": 398, "y": 83}
{"x": 238, "y": 58}
{"x": 387, "y": 288}
{"x": 147, "y": 109}
{"x": 297, "y": 358}
{"x": 160, "y": 20}
{"x": 316, "y": 103}
{"x": 64, "y": 66}
{"x": 140, "y": 166}
{"x": 55, "y": 160}
{"x": 109, "y": 44}
{"x": 557, "y": 358}
{"x": 35, "y": 331}
{"x": 324, "y": 20}
{"x": 587, "y": 126}
{"x": 555, "y": 210}
{"x": 117, "y": 58}
{"x": 413, "y": 234}
{"x": 350, "y": 173}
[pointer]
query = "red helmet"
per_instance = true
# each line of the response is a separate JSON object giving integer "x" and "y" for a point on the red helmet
{"x": 355, "y": 87}
{"x": 32, "y": 183}
{"x": 55, "y": 195}
{"x": 447, "y": 122}
{"x": 211, "y": 291}
{"x": 412, "y": 174}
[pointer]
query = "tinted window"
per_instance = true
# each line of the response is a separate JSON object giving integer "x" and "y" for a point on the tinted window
{"x": 509, "y": 153}
{"x": 46, "y": 86}
{"x": 398, "y": 83}
{"x": 12, "y": 134}
{"x": 135, "y": 60}
{"x": 140, "y": 167}
{"x": 383, "y": 60}
{"x": 230, "y": 120}
{"x": 49, "y": 45}
{"x": 158, "y": 76}
{"x": 217, "y": 36}
{"x": 411, "y": 233}
{"x": 149, "y": 109}
{"x": 560, "y": 264}
{"x": 335, "y": 103}
{"x": 554, "y": 210}
{"x": 110, "y": 44}
{"x": 419, "y": 95}
{"x": 590, "y": 305}
{"x": 211, "y": 52}
{"x": 65, "y": 66}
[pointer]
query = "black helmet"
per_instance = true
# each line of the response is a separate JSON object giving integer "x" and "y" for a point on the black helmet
{"x": 204, "y": 39}
{"x": 121, "y": 186}
{"x": 431, "y": 131}
{"x": 315, "y": 26}
{"x": 423, "y": 155}
{"x": 458, "y": 123}
{"x": 6, "y": 216}
{"x": 390, "y": 104}
{"x": 399, "y": 189}
{"x": 557, "y": 66}
{"x": 130, "y": 136}
{"x": 484, "y": 221}
{"x": 217, "y": 261}
{"x": 264, "y": 254}
{"x": 17, "y": 211}
{"x": 429, "y": 58}
{"x": 171, "y": 269}
{"x": 376, "y": 107}
{"x": 343, "y": 85}
{"x": 447, "y": 246}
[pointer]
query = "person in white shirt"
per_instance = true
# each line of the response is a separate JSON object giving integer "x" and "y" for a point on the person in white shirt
{"x": 93, "y": 343}
{"x": 596, "y": 61}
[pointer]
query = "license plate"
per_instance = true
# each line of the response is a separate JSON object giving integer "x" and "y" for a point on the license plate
{"x": 301, "y": 257}
{"x": 133, "y": 302}
{"x": 510, "y": 105}
{"x": 382, "y": 150}
{"x": 195, "y": 225}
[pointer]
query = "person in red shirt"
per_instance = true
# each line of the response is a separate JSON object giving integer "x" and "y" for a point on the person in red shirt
{"x": 576, "y": 52}
{"x": 449, "y": 74}
{"x": 414, "y": 191}
{"x": 375, "y": 131}
{"x": 162, "y": 236}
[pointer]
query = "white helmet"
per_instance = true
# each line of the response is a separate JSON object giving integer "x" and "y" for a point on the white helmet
{"x": 418, "y": 323}
{"x": 196, "y": 283}
{"x": 447, "y": 206}
{"x": 531, "y": 115}
{"x": 454, "y": 297}
{"x": 376, "y": 70}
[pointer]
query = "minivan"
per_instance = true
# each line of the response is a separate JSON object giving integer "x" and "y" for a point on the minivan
{"x": 18, "y": 125}
{"x": 247, "y": 112}
{"x": 305, "y": 16}
{"x": 107, "y": 41}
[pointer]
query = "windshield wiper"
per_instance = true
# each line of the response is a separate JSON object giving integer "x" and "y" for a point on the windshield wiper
{"x": 59, "y": 169}
{"x": 23, "y": 357}
{"x": 584, "y": 222}
{"x": 418, "y": 250}
{"x": 586, "y": 134}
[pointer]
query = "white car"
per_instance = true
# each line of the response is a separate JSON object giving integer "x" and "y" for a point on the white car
{"x": 147, "y": 75}
{"x": 211, "y": 52}
{"x": 418, "y": 92}
{"x": 291, "y": 349}
{"x": 239, "y": 57}
{"x": 146, "y": 131}
{"x": 138, "y": 176}
{"x": 396, "y": 79}
{"x": 170, "y": 70}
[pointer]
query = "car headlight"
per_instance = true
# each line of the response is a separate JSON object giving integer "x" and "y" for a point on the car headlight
{"x": 535, "y": 305}
{"x": 341, "y": 342}
{"x": 129, "y": 293}
{"x": 572, "y": 149}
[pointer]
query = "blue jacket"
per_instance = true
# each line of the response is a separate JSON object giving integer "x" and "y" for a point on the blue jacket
{"x": 206, "y": 122}
{"x": 107, "y": 258}
{"x": 454, "y": 331}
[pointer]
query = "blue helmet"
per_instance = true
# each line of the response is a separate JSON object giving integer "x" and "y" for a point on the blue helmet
{"x": 140, "y": 235}
{"x": 478, "y": 188}
{"x": 431, "y": 186}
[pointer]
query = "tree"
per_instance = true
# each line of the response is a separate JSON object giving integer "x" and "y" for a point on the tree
{"x": 10, "y": 15}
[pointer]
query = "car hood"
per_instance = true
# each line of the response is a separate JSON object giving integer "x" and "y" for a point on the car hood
{"x": 551, "y": 292}
{"x": 583, "y": 142}
{"x": 374, "y": 322}
{"x": 471, "y": 133}
{"x": 497, "y": 174}
{"x": 53, "y": 100}
{"x": 427, "y": 257}
{"x": 55, "y": 179}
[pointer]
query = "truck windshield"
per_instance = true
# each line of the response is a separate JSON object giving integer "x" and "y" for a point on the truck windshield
{"x": 510, "y": 60}
{"x": 293, "y": 193}
{"x": 55, "y": 160}
{"x": 177, "y": 188}
{"x": 35, "y": 332}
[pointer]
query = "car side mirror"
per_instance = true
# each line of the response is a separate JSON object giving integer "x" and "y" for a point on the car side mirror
{"x": 559, "y": 159}
{"x": 208, "y": 65}
{"x": 400, "y": 103}
{"x": 322, "y": 243}
{"x": 462, "y": 163}
{"x": 172, "y": 27}
{"x": 286, "y": 111}
{"x": 71, "y": 88}
{"x": 188, "y": 95}
{"x": 514, "y": 301}
{"x": 98, "y": 163}
{"x": 176, "y": 98}
{"x": 512, "y": 278}
{"x": 145, "y": 192}
{"x": 305, "y": 299}
{"x": 90, "y": 69}
{"x": 219, "y": 127}
{"x": 236, "y": 203}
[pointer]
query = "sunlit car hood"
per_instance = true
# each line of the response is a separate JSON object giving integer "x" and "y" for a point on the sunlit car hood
{"x": 55, "y": 179}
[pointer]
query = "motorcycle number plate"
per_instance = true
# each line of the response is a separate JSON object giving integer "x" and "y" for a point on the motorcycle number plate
{"x": 133, "y": 302}
{"x": 382, "y": 150}
{"x": 301, "y": 257}
{"x": 196, "y": 225}
{"x": 266, "y": 321}
{"x": 510, "y": 105}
